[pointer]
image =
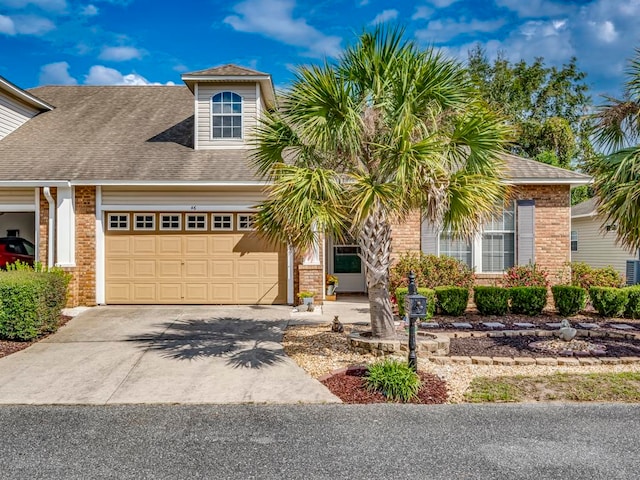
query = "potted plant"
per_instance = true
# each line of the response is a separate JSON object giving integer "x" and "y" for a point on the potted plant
{"x": 306, "y": 297}
{"x": 332, "y": 284}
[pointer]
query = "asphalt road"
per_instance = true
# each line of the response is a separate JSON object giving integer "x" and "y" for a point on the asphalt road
{"x": 541, "y": 441}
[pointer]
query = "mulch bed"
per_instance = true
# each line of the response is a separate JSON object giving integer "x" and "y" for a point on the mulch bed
{"x": 519, "y": 347}
{"x": 349, "y": 387}
{"x": 7, "y": 347}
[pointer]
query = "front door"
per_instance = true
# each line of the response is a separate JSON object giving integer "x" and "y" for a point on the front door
{"x": 345, "y": 263}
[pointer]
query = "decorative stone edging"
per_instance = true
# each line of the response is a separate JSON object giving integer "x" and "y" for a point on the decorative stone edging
{"x": 526, "y": 361}
{"x": 430, "y": 343}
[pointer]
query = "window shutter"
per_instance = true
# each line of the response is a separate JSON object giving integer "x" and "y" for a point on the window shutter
{"x": 526, "y": 232}
{"x": 428, "y": 238}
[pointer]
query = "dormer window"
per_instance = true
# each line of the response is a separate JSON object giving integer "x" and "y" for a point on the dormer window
{"x": 226, "y": 112}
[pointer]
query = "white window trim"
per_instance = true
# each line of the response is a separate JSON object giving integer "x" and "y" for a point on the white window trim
{"x": 572, "y": 234}
{"x": 244, "y": 229}
{"x": 170, "y": 229}
{"x": 242, "y": 106}
{"x": 219, "y": 229}
{"x": 195, "y": 229}
{"x": 122, "y": 229}
{"x": 144, "y": 229}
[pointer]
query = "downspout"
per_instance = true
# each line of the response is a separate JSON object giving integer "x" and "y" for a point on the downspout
{"x": 52, "y": 222}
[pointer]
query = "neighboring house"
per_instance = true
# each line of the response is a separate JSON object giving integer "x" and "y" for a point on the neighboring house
{"x": 145, "y": 194}
{"x": 594, "y": 242}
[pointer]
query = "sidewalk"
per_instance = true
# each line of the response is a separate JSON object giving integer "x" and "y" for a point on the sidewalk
{"x": 349, "y": 309}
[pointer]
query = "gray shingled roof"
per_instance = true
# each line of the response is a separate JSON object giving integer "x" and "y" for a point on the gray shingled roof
{"x": 226, "y": 70}
{"x": 145, "y": 133}
{"x": 142, "y": 133}
{"x": 588, "y": 207}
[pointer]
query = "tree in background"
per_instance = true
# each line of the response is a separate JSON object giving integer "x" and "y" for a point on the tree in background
{"x": 360, "y": 144}
{"x": 548, "y": 107}
{"x": 617, "y": 175}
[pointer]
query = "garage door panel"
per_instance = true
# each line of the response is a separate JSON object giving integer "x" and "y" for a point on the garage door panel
{"x": 253, "y": 243}
{"x": 270, "y": 268}
{"x": 196, "y": 292}
{"x": 222, "y": 268}
{"x": 144, "y": 268}
{"x": 221, "y": 244}
{"x": 196, "y": 268}
{"x": 118, "y": 245}
{"x": 144, "y": 292}
{"x": 169, "y": 292}
{"x": 221, "y": 293}
{"x": 118, "y": 292}
{"x": 248, "y": 268}
{"x": 169, "y": 245}
{"x": 169, "y": 268}
{"x": 249, "y": 292}
{"x": 196, "y": 245}
{"x": 143, "y": 245}
{"x": 270, "y": 293}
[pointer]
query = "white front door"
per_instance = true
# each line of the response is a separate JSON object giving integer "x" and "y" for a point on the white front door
{"x": 345, "y": 263}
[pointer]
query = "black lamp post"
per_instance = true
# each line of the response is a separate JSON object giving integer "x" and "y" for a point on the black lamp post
{"x": 416, "y": 307}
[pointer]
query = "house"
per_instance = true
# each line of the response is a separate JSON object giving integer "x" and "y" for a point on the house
{"x": 594, "y": 242}
{"x": 145, "y": 195}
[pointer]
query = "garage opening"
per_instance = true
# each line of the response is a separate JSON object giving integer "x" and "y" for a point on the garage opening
{"x": 17, "y": 237}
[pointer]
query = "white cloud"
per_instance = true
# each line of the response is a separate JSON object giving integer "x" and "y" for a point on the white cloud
{"x": 32, "y": 25}
{"x": 101, "y": 75}
{"x": 89, "y": 11}
{"x": 605, "y": 31}
{"x": 274, "y": 19}
{"x": 48, "y": 5}
{"x": 448, "y": 28}
{"x": 7, "y": 26}
{"x": 442, "y": 3}
{"x": 120, "y": 54}
{"x": 384, "y": 16}
{"x": 422, "y": 12}
{"x": 536, "y": 8}
{"x": 56, "y": 74}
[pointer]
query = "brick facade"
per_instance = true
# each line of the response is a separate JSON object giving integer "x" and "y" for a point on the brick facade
{"x": 405, "y": 236}
{"x": 309, "y": 277}
{"x": 85, "y": 270}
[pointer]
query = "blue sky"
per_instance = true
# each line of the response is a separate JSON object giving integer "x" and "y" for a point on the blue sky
{"x": 151, "y": 41}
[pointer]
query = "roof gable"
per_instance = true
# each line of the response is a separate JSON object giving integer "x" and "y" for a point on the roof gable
{"x": 226, "y": 70}
{"x": 524, "y": 170}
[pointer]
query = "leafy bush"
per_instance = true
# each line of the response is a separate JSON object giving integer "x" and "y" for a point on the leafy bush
{"x": 402, "y": 292}
{"x": 452, "y": 300}
{"x": 394, "y": 379}
{"x": 525, "y": 276}
{"x": 491, "y": 300}
{"x": 608, "y": 301}
{"x": 431, "y": 271}
{"x": 569, "y": 299}
{"x": 632, "y": 309}
{"x": 528, "y": 300}
{"x": 585, "y": 276}
{"x": 31, "y": 302}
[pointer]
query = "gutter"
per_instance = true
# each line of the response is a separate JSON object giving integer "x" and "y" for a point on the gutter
{"x": 52, "y": 222}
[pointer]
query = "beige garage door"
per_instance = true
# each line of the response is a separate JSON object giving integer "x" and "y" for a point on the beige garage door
{"x": 216, "y": 263}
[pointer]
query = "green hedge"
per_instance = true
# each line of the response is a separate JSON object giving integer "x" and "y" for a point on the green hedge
{"x": 608, "y": 301}
{"x": 632, "y": 309}
{"x": 402, "y": 292}
{"x": 528, "y": 300}
{"x": 31, "y": 303}
{"x": 569, "y": 299}
{"x": 491, "y": 300}
{"x": 452, "y": 300}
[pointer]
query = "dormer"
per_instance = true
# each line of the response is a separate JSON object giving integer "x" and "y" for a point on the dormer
{"x": 228, "y": 101}
{"x": 17, "y": 106}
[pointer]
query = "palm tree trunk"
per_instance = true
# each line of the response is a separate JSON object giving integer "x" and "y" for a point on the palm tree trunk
{"x": 375, "y": 250}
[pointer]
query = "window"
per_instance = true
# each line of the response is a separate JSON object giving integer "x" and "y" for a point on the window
{"x": 246, "y": 221}
{"x": 170, "y": 221}
{"x": 118, "y": 221}
{"x": 144, "y": 221}
{"x": 196, "y": 222}
{"x": 459, "y": 249}
{"x": 221, "y": 221}
{"x": 226, "y": 113}
{"x": 498, "y": 242}
{"x": 346, "y": 259}
{"x": 574, "y": 241}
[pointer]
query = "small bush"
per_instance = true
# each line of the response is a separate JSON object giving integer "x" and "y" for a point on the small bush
{"x": 632, "y": 309}
{"x": 431, "y": 271}
{"x": 394, "y": 379}
{"x": 452, "y": 300}
{"x": 528, "y": 300}
{"x": 525, "y": 276}
{"x": 402, "y": 292}
{"x": 585, "y": 276}
{"x": 569, "y": 300}
{"x": 31, "y": 302}
{"x": 491, "y": 300}
{"x": 608, "y": 301}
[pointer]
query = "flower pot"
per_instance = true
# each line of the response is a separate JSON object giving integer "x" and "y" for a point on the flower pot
{"x": 331, "y": 288}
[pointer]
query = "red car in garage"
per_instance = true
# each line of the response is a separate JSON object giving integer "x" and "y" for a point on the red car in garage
{"x": 16, "y": 248}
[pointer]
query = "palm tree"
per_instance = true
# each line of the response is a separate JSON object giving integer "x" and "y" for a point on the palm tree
{"x": 358, "y": 144}
{"x": 617, "y": 175}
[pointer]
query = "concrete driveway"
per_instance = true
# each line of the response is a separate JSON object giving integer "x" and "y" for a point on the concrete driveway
{"x": 116, "y": 355}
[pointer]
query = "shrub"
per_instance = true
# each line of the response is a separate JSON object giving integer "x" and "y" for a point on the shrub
{"x": 31, "y": 302}
{"x": 632, "y": 309}
{"x": 525, "y": 276}
{"x": 583, "y": 275}
{"x": 528, "y": 300}
{"x": 569, "y": 299}
{"x": 394, "y": 379}
{"x": 491, "y": 300}
{"x": 452, "y": 300}
{"x": 608, "y": 301}
{"x": 431, "y": 271}
{"x": 401, "y": 293}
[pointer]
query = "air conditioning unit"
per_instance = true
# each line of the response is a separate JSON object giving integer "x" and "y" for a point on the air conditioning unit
{"x": 633, "y": 272}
